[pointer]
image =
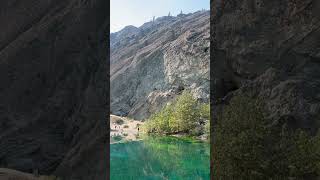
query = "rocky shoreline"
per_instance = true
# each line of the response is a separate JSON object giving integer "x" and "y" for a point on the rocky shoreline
{"x": 124, "y": 129}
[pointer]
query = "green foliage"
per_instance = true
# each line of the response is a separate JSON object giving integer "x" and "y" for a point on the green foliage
{"x": 207, "y": 129}
{"x": 304, "y": 158}
{"x": 205, "y": 115}
{"x": 184, "y": 115}
{"x": 186, "y": 112}
{"x": 119, "y": 121}
{"x": 205, "y": 111}
{"x": 246, "y": 146}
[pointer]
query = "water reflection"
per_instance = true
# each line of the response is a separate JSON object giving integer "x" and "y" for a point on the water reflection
{"x": 160, "y": 158}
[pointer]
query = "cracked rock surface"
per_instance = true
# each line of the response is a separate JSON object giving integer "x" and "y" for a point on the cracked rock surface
{"x": 269, "y": 49}
{"x": 153, "y": 63}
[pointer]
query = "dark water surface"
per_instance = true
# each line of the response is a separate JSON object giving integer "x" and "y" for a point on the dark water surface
{"x": 160, "y": 158}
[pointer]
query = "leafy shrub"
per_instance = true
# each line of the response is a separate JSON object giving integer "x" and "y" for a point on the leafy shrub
{"x": 125, "y": 126}
{"x": 184, "y": 115}
{"x": 246, "y": 146}
{"x": 119, "y": 121}
{"x": 207, "y": 128}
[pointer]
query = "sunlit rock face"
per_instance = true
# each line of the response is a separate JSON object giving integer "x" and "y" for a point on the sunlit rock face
{"x": 151, "y": 64}
{"x": 53, "y": 75}
{"x": 269, "y": 49}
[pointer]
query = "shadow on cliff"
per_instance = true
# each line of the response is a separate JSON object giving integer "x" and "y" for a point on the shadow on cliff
{"x": 54, "y": 83}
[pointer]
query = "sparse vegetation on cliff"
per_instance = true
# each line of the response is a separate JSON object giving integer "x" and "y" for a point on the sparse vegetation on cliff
{"x": 183, "y": 115}
{"x": 246, "y": 145}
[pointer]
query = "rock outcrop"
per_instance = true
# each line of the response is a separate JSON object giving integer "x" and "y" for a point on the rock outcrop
{"x": 269, "y": 49}
{"x": 53, "y": 87}
{"x": 153, "y": 63}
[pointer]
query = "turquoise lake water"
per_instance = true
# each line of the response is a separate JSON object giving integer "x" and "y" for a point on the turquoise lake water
{"x": 159, "y": 159}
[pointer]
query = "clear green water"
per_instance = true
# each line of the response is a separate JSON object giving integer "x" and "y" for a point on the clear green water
{"x": 159, "y": 159}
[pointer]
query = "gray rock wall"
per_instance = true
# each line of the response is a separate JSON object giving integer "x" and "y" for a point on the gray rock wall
{"x": 53, "y": 87}
{"x": 269, "y": 49}
{"x": 152, "y": 63}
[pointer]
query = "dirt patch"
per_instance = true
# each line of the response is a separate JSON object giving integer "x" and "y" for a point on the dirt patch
{"x": 127, "y": 130}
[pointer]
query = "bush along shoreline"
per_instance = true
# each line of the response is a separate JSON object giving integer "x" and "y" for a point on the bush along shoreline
{"x": 247, "y": 145}
{"x": 183, "y": 116}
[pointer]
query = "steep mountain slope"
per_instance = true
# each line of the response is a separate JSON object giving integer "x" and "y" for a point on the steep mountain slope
{"x": 53, "y": 87}
{"x": 153, "y": 63}
{"x": 269, "y": 49}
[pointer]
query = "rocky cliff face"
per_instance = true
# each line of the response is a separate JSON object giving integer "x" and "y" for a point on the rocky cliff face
{"x": 153, "y": 63}
{"x": 269, "y": 49}
{"x": 53, "y": 87}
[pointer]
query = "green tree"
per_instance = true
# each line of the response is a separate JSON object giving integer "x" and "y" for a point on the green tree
{"x": 186, "y": 112}
{"x": 238, "y": 140}
{"x": 183, "y": 115}
{"x": 247, "y": 146}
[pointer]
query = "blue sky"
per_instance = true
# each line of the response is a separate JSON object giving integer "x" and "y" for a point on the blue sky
{"x": 137, "y": 12}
